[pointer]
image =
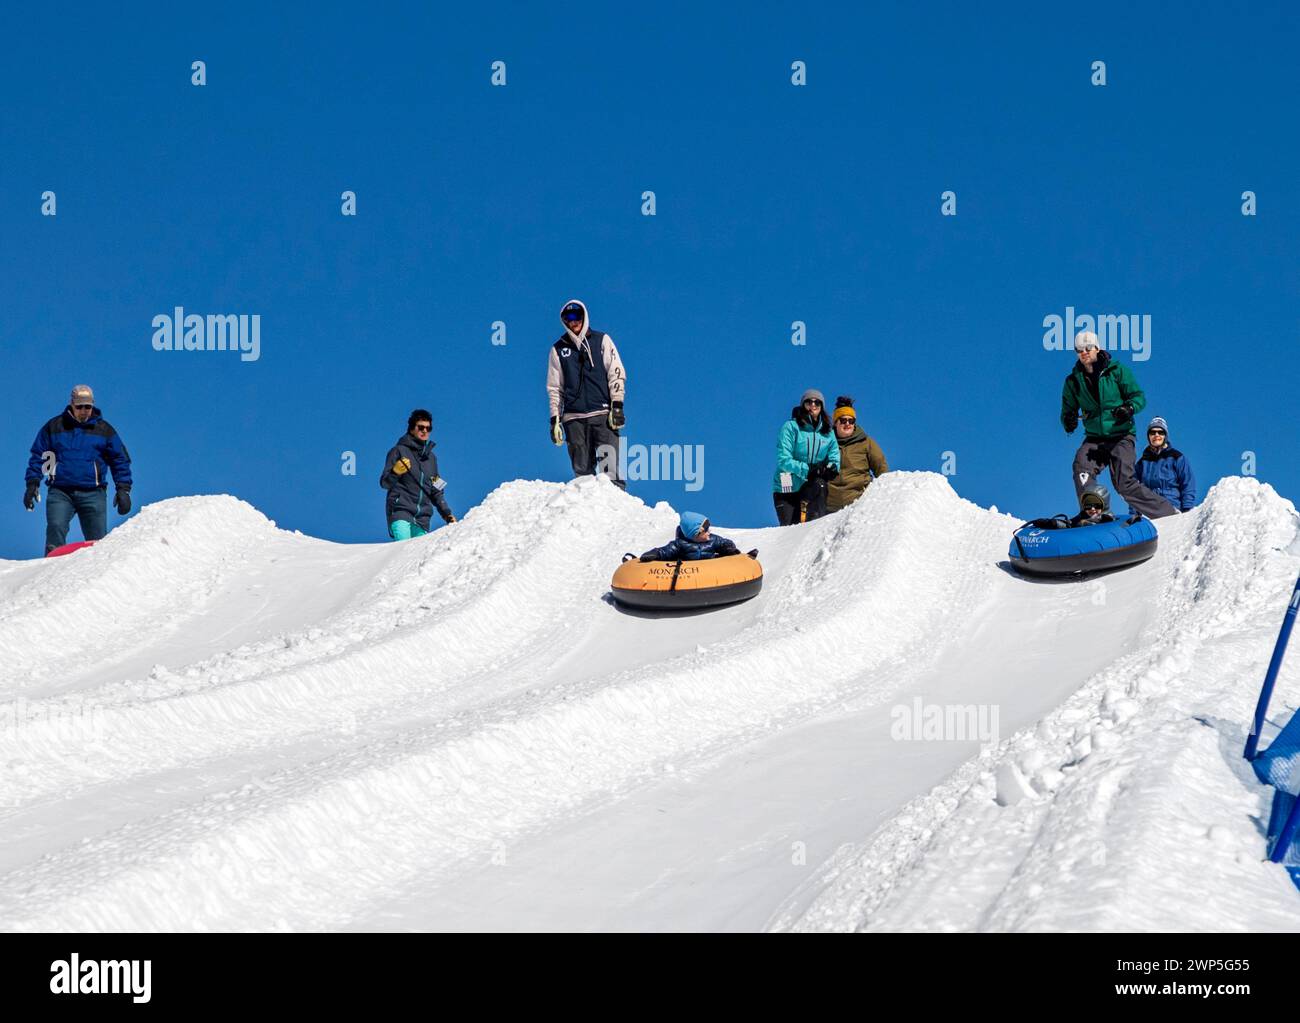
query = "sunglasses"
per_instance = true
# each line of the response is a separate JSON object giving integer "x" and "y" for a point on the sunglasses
{"x": 811, "y": 402}
{"x": 847, "y": 420}
{"x": 1159, "y": 432}
{"x": 422, "y": 427}
{"x": 1091, "y": 508}
{"x": 83, "y": 406}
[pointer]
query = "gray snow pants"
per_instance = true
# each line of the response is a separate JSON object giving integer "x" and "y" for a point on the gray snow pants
{"x": 1119, "y": 455}
{"x": 589, "y": 439}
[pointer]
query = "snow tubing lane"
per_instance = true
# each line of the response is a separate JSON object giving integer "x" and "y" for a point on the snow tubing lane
{"x": 661, "y": 585}
{"x": 68, "y": 548}
{"x": 1117, "y": 544}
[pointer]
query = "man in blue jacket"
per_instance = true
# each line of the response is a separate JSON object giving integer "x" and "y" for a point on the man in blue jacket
{"x": 75, "y": 452}
{"x": 1166, "y": 470}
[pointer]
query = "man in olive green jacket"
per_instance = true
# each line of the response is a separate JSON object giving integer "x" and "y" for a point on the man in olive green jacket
{"x": 861, "y": 459}
{"x": 1107, "y": 395}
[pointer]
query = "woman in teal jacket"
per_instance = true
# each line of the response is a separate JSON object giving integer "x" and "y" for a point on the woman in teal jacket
{"x": 807, "y": 458}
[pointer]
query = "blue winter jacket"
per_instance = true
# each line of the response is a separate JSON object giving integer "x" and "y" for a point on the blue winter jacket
{"x": 686, "y": 547}
{"x": 1169, "y": 474}
{"x": 84, "y": 453}
{"x": 800, "y": 445}
{"x": 683, "y": 549}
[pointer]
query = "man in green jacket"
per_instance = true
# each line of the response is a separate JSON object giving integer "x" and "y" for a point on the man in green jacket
{"x": 1107, "y": 396}
{"x": 861, "y": 459}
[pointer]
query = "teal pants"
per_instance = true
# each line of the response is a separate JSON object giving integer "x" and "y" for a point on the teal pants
{"x": 401, "y": 529}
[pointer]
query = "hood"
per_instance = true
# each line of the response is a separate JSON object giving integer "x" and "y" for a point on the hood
{"x": 581, "y": 336}
{"x": 858, "y": 435}
{"x": 1099, "y": 491}
{"x": 691, "y": 524}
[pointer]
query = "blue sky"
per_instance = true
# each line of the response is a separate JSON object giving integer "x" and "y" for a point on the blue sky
{"x": 775, "y": 203}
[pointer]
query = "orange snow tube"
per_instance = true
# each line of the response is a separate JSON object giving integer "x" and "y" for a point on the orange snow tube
{"x": 661, "y": 585}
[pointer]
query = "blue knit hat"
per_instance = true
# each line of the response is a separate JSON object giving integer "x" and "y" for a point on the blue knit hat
{"x": 692, "y": 524}
{"x": 1158, "y": 424}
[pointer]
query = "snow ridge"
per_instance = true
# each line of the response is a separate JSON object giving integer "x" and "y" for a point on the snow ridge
{"x": 1102, "y": 815}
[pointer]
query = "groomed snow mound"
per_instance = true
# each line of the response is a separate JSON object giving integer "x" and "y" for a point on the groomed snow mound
{"x": 210, "y": 723}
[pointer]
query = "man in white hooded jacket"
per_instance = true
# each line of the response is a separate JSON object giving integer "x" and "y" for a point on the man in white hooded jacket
{"x": 586, "y": 383}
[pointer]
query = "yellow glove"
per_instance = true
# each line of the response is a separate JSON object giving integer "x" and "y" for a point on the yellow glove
{"x": 401, "y": 465}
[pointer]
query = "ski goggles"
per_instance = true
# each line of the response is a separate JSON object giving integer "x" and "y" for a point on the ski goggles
{"x": 572, "y": 314}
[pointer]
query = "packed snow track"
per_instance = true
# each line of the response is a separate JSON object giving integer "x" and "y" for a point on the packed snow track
{"x": 208, "y": 723}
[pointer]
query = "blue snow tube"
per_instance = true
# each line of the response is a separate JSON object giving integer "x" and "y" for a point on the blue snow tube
{"x": 1040, "y": 550}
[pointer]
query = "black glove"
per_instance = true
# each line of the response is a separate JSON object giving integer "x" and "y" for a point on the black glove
{"x": 122, "y": 500}
{"x": 557, "y": 431}
{"x": 829, "y": 472}
{"x": 616, "y": 418}
{"x": 1072, "y": 421}
{"x": 752, "y": 554}
{"x": 1124, "y": 413}
{"x": 646, "y": 557}
{"x": 32, "y": 495}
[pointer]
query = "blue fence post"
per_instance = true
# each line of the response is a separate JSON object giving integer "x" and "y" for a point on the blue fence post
{"x": 1270, "y": 679}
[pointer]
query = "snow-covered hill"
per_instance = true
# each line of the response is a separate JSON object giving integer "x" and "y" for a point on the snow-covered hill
{"x": 209, "y": 723}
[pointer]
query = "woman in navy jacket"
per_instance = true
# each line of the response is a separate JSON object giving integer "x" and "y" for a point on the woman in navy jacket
{"x": 1166, "y": 470}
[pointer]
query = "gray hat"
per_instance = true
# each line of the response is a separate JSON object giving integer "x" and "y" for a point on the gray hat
{"x": 81, "y": 394}
{"x": 812, "y": 392}
{"x": 1096, "y": 495}
{"x": 1159, "y": 424}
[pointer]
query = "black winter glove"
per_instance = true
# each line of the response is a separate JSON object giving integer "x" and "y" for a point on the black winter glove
{"x": 616, "y": 418}
{"x": 32, "y": 495}
{"x": 829, "y": 472}
{"x": 752, "y": 554}
{"x": 646, "y": 557}
{"x": 1072, "y": 421}
{"x": 1124, "y": 413}
{"x": 122, "y": 500}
